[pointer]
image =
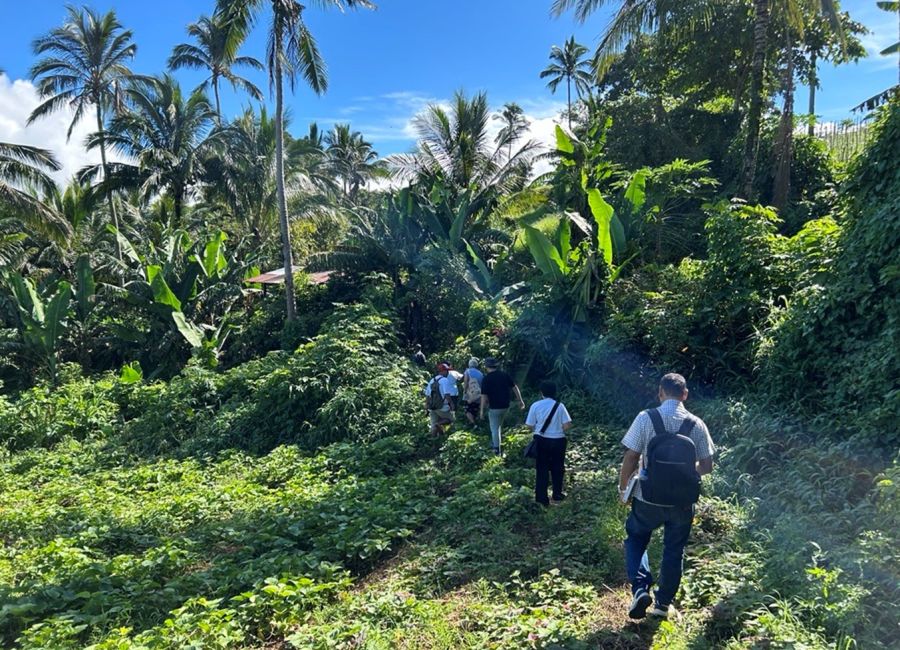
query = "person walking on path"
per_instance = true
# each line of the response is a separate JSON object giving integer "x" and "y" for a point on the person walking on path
{"x": 549, "y": 420}
{"x": 440, "y": 393}
{"x": 495, "y": 394}
{"x": 472, "y": 379}
{"x": 419, "y": 357}
{"x": 673, "y": 449}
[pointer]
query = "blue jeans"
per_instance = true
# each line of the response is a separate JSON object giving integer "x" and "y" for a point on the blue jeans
{"x": 495, "y": 419}
{"x": 643, "y": 520}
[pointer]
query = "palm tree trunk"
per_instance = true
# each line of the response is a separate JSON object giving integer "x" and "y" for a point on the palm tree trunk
{"x": 754, "y": 114}
{"x": 813, "y": 82}
{"x": 279, "y": 178}
{"x": 109, "y": 198}
{"x": 215, "y": 85}
{"x": 785, "y": 141}
{"x": 569, "y": 100}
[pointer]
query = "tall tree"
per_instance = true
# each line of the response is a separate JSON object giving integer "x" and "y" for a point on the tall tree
{"x": 570, "y": 65}
{"x": 85, "y": 64}
{"x": 291, "y": 50}
{"x": 168, "y": 135}
{"x": 217, "y": 52}
{"x": 514, "y": 124}
{"x": 352, "y": 158}
{"x": 634, "y": 18}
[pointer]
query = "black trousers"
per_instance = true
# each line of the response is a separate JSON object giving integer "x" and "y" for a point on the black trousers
{"x": 551, "y": 458}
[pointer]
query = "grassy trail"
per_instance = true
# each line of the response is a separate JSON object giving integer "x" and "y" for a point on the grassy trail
{"x": 404, "y": 542}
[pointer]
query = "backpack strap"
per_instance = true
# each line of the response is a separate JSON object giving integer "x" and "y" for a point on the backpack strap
{"x": 658, "y": 427}
{"x": 687, "y": 425}
{"x": 549, "y": 418}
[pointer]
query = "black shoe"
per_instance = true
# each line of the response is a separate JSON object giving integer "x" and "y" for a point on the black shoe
{"x": 558, "y": 500}
{"x": 639, "y": 604}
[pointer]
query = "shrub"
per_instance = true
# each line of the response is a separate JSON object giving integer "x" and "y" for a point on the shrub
{"x": 833, "y": 352}
{"x": 43, "y": 416}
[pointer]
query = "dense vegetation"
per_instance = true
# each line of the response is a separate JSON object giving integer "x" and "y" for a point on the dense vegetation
{"x": 188, "y": 461}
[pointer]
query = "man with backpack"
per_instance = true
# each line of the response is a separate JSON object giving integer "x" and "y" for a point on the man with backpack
{"x": 667, "y": 451}
{"x": 440, "y": 399}
{"x": 472, "y": 390}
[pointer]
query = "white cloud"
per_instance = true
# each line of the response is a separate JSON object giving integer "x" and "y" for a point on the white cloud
{"x": 17, "y": 99}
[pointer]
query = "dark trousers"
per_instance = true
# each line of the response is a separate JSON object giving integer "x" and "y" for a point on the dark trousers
{"x": 643, "y": 520}
{"x": 551, "y": 458}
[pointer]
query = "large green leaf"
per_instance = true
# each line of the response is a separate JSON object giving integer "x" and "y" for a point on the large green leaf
{"x": 161, "y": 291}
{"x": 617, "y": 230}
{"x": 544, "y": 253}
{"x": 87, "y": 288}
{"x": 214, "y": 261}
{"x": 487, "y": 278}
{"x": 563, "y": 141}
{"x": 459, "y": 220}
{"x": 603, "y": 214}
{"x": 564, "y": 237}
{"x": 57, "y": 309}
{"x": 29, "y": 303}
{"x": 636, "y": 193}
{"x": 191, "y": 333}
{"x": 127, "y": 248}
{"x": 131, "y": 373}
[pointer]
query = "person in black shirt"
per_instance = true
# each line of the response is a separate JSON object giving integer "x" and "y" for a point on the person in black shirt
{"x": 495, "y": 397}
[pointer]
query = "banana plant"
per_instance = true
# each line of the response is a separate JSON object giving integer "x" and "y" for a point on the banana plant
{"x": 186, "y": 288}
{"x": 41, "y": 320}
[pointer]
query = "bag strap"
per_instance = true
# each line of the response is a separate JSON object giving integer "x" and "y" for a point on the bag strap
{"x": 687, "y": 425}
{"x": 549, "y": 417}
{"x": 658, "y": 427}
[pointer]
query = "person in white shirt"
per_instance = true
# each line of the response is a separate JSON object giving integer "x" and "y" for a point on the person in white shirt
{"x": 549, "y": 420}
{"x": 441, "y": 409}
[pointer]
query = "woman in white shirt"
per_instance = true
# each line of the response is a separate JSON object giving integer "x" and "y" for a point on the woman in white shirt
{"x": 549, "y": 420}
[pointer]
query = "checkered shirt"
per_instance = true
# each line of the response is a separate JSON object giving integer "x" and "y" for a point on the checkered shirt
{"x": 673, "y": 413}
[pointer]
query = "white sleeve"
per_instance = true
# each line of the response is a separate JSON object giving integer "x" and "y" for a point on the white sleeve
{"x": 564, "y": 416}
{"x": 531, "y": 420}
{"x": 636, "y": 435}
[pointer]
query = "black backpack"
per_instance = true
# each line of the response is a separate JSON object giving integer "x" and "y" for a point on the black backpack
{"x": 671, "y": 463}
{"x": 436, "y": 400}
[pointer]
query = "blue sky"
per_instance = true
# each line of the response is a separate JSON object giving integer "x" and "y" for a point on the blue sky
{"x": 386, "y": 65}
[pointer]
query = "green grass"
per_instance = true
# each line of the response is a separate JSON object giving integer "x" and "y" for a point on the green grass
{"x": 407, "y": 542}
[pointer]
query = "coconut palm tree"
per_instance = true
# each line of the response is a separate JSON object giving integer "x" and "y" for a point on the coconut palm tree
{"x": 25, "y": 170}
{"x": 514, "y": 124}
{"x": 85, "y": 64}
{"x": 169, "y": 136}
{"x": 352, "y": 158}
{"x": 461, "y": 168}
{"x": 215, "y": 51}
{"x": 570, "y": 65}
{"x": 291, "y": 50}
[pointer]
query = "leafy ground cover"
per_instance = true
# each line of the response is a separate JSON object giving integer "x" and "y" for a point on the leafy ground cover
{"x": 405, "y": 541}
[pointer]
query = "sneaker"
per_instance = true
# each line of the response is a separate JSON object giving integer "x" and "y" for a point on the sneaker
{"x": 660, "y": 611}
{"x": 639, "y": 604}
{"x": 560, "y": 498}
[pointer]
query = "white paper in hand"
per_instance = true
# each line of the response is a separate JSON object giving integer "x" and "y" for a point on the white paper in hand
{"x": 629, "y": 489}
